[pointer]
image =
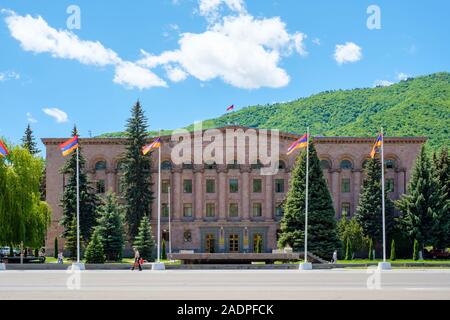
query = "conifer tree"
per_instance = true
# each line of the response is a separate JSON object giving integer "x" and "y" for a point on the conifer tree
{"x": 441, "y": 170}
{"x": 28, "y": 141}
{"x": 137, "y": 173}
{"x": 144, "y": 241}
{"x": 369, "y": 211}
{"x": 111, "y": 227}
{"x": 371, "y": 257}
{"x": 70, "y": 243}
{"x": 94, "y": 250}
{"x": 393, "y": 254}
{"x": 163, "y": 250}
{"x": 322, "y": 234}
{"x": 55, "y": 248}
{"x": 424, "y": 204}
{"x": 88, "y": 200}
{"x": 348, "y": 250}
{"x": 416, "y": 250}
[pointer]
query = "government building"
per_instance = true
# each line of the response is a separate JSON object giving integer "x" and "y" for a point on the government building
{"x": 229, "y": 207}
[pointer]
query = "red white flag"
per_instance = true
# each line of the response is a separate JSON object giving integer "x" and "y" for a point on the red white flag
{"x": 230, "y": 107}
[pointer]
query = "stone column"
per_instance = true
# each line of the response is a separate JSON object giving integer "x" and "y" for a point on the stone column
{"x": 269, "y": 206}
{"x": 400, "y": 183}
{"x": 110, "y": 181}
{"x": 198, "y": 193}
{"x": 335, "y": 189}
{"x": 356, "y": 189}
{"x": 177, "y": 194}
{"x": 222, "y": 193}
{"x": 245, "y": 193}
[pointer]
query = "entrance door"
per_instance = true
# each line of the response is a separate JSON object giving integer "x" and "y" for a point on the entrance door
{"x": 210, "y": 243}
{"x": 233, "y": 243}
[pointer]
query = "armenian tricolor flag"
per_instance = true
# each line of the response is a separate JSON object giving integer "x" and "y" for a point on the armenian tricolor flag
{"x": 154, "y": 145}
{"x": 68, "y": 146}
{"x": 377, "y": 146}
{"x": 3, "y": 151}
{"x": 230, "y": 108}
{"x": 299, "y": 144}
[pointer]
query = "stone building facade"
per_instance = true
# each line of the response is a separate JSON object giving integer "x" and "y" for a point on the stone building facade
{"x": 230, "y": 208}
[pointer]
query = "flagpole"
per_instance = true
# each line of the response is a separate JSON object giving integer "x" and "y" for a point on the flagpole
{"x": 170, "y": 232}
{"x": 78, "y": 207}
{"x": 383, "y": 197}
{"x": 307, "y": 195}
{"x": 159, "y": 202}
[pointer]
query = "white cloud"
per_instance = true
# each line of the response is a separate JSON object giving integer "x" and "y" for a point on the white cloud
{"x": 211, "y": 8}
{"x": 316, "y": 41}
{"x": 30, "y": 118}
{"x": 35, "y": 35}
{"x": 57, "y": 114}
{"x": 382, "y": 83}
{"x": 9, "y": 75}
{"x": 175, "y": 74}
{"x": 402, "y": 76}
{"x": 134, "y": 76}
{"x": 348, "y": 52}
{"x": 241, "y": 50}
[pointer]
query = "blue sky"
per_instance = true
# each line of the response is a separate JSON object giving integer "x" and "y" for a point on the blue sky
{"x": 188, "y": 60}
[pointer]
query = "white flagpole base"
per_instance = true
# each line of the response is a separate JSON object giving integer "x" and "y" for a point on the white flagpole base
{"x": 384, "y": 266}
{"x": 78, "y": 266}
{"x": 2, "y": 266}
{"x": 158, "y": 266}
{"x": 305, "y": 266}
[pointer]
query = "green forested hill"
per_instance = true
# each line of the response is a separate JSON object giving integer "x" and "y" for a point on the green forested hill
{"x": 414, "y": 107}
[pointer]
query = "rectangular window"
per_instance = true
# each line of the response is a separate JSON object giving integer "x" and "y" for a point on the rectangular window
{"x": 187, "y": 210}
{"x": 165, "y": 210}
{"x": 234, "y": 210}
{"x": 257, "y": 185}
{"x": 257, "y": 209}
{"x": 233, "y": 243}
{"x": 345, "y": 185}
{"x": 187, "y": 186}
{"x": 234, "y": 186}
{"x": 279, "y": 210}
{"x": 101, "y": 186}
{"x": 165, "y": 186}
{"x": 279, "y": 185}
{"x": 210, "y": 210}
{"x": 210, "y": 186}
{"x": 390, "y": 186}
{"x": 345, "y": 209}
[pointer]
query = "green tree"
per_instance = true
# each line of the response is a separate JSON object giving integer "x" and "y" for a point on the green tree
{"x": 28, "y": 141}
{"x": 369, "y": 210}
{"x": 137, "y": 173}
{"x": 163, "y": 250}
{"x": 55, "y": 248}
{"x": 23, "y": 216}
{"x": 441, "y": 170}
{"x": 111, "y": 227}
{"x": 94, "y": 250}
{"x": 70, "y": 243}
{"x": 393, "y": 255}
{"x": 322, "y": 234}
{"x": 144, "y": 241}
{"x": 424, "y": 205}
{"x": 371, "y": 257}
{"x": 350, "y": 229}
{"x": 416, "y": 250}
{"x": 348, "y": 250}
{"x": 88, "y": 199}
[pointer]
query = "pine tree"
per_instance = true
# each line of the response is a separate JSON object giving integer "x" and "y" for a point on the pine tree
{"x": 322, "y": 234}
{"x": 56, "y": 248}
{"x": 163, "y": 250}
{"x": 111, "y": 227}
{"x": 137, "y": 173}
{"x": 393, "y": 255}
{"x": 371, "y": 257}
{"x": 28, "y": 141}
{"x": 88, "y": 200}
{"x": 144, "y": 241}
{"x": 424, "y": 204}
{"x": 369, "y": 210}
{"x": 70, "y": 244}
{"x": 441, "y": 170}
{"x": 94, "y": 250}
{"x": 416, "y": 250}
{"x": 348, "y": 250}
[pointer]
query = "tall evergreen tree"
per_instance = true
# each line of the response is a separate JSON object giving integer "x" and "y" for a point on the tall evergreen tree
{"x": 423, "y": 205}
{"x": 28, "y": 141}
{"x": 144, "y": 241}
{"x": 111, "y": 227}
{"x": 369, "y": 210}
{"x": 137, "y": 174}
{"x": 322, "y": 233}
{"x": 88, "y": 199}
{"x": 70, "y": 244}
{"x": 94, "y": 250}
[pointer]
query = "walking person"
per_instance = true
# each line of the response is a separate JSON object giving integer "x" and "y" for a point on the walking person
{"x": 137, "y": 259}
{"x": 334, "y": 261}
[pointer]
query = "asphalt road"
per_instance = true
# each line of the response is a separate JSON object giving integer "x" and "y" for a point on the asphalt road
{"x": 226, "y": 285}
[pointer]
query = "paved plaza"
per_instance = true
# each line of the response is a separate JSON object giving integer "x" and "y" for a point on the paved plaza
{"x": 225, "y": 285}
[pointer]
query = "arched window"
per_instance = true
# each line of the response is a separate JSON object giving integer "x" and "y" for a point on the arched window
{"x": 325, "y": 164}
{"x": 166, "y": 165}
{"x": 100, "y": 165}
{"x": 346, "y": 165}
{"x": 188, "y": 166}
{"x": 281, "y": 165}
{"x": 390, "y": 164}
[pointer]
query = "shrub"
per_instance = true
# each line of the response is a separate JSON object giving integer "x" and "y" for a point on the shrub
{"x": 393, "y": 255}
{"x": 94, "y": 250}
{"x": 416, "y": 250}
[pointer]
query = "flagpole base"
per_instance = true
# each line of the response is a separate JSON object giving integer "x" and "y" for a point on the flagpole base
{"x": 384, "y": 266}
{"x": 158, "y": 266}
{"x": 78, "y": 266}
{"x": 305, "y": 266}
{"x": 2, "y": 267}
